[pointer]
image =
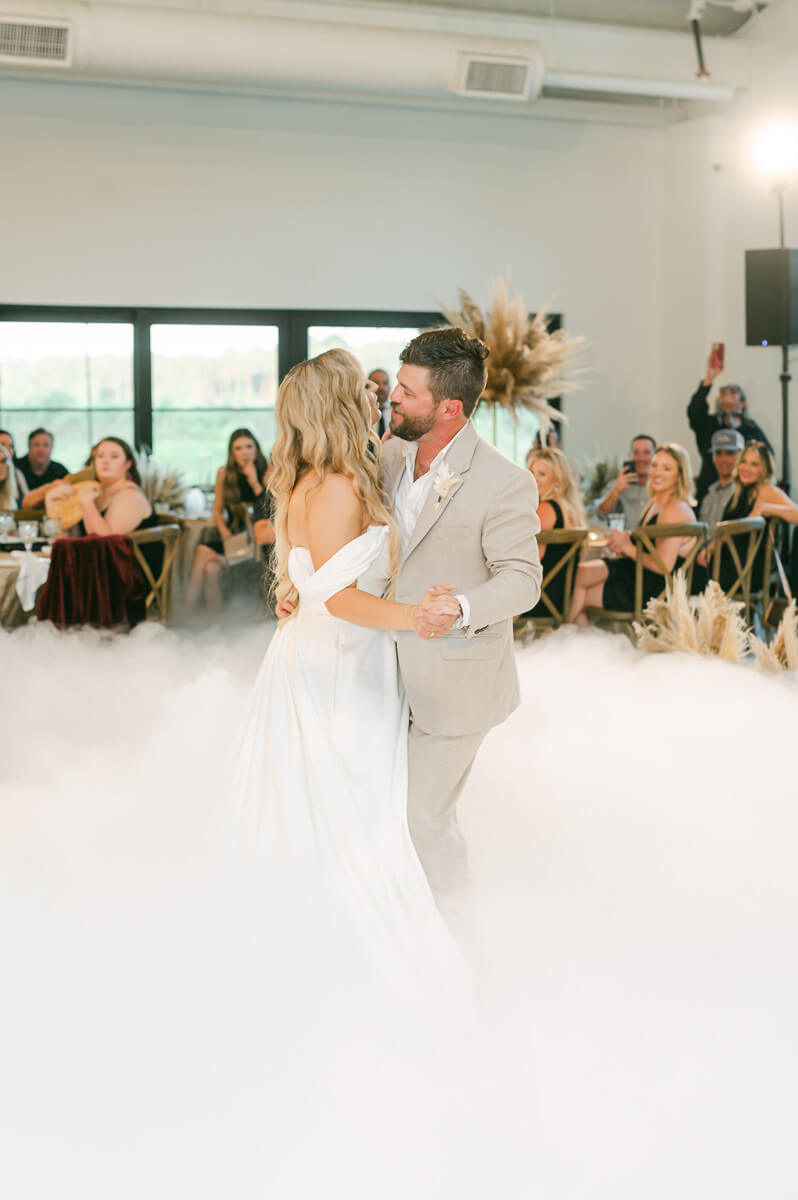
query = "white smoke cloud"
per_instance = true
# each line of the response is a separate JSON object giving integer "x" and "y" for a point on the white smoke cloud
{"x": 633, "y": 841}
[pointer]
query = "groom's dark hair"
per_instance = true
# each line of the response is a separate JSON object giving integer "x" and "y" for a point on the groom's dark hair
{"x": 456, "y": 364}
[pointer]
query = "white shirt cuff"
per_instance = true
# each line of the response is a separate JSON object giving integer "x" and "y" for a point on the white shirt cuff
{"x": 464, "y": 621}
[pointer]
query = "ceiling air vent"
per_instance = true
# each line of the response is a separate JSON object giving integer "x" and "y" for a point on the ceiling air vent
{"x": 488, "y": 77}
{"x": 32, "y": 43}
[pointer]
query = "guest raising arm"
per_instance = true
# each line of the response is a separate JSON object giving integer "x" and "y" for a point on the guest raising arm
{"x": 731, "y": 413}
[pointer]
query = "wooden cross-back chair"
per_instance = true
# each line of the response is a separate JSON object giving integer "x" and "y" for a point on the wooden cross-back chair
{"x": 741, "y": 541}
{"x": 768, "y": 587}
{"x": 564, "y": 568}
{"x": 157, "y": 600}
{"x": 645, "y": 538}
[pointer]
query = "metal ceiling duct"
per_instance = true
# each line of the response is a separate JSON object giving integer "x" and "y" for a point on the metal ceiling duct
{"x": 150, "y": 44}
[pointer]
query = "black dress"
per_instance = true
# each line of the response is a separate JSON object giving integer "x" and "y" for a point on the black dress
{"x": 619, "y": 590}
{"x": 152, "y": 552}
{"x": 234, "y": 517}
{"x": 556, "y": 589}
{"x": 740, "y": 506}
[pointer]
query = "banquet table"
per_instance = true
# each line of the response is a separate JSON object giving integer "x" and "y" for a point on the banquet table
{"x": 12, "y": 612}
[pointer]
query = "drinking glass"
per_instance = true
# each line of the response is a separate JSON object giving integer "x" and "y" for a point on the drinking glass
{"x": 51, "y": 527}
{"x": 616, "y": 521}
{"x": 7, "y": 524}
{"x": 28, "y": 532}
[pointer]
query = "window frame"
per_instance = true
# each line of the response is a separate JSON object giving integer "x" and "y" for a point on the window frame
{"x": 293, "y": 325}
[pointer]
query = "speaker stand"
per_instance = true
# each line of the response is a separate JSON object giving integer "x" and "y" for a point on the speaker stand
{"x": 785, "y": 378}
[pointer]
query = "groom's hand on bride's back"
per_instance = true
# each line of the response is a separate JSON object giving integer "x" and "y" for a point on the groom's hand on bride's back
{"x": 437, "y": 612}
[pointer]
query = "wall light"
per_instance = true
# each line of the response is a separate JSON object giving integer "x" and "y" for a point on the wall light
{"x": 775, "y": 150}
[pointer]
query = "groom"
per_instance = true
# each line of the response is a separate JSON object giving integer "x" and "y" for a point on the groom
{"x": 467, "y": 515}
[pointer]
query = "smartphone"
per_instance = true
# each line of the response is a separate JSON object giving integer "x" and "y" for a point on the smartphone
{"x": 629, "y": 465}
{"x": 717, "y": 354}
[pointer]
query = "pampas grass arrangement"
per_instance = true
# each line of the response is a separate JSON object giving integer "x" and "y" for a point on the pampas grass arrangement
{"x": 709, "y": 624}
{"x": 528, "y": 365}
{"x": 163, "y": 486}
{"x": 597, "y": 475}
{"x": 782, "y": 653}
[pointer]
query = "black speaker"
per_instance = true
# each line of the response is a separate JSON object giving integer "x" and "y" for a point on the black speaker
{"x": 771, "y": 297}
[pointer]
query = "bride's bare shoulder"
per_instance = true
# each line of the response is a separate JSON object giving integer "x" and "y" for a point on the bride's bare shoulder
{"x": 335, "y": 493}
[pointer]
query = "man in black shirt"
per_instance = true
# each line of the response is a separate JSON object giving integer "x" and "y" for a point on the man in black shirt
{"x": 730, "y": 415}
{"x": 39, "y": 468}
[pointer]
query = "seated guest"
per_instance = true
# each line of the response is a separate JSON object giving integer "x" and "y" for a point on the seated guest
{"x": 725, "y": 446}
{"x": 731, "y": 414}
{"x": 611, "y": 583}
{"x": 629, "y": 493}
{"x": 560, "y": 507}
{"x": 754, "y": 496}
{"x": 9, "y": 485}
{"x": 238, "y": 484}
{"x": 39, "y": 468}
{"x": 17, "y": 486}
{"x": 115, "y": 503}
{"x": 9, "y": 495}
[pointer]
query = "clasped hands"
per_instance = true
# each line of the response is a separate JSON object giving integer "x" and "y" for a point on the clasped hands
{"x": 619, "y": 542}
{"x": 434, "y": 615}
{"x": 437, "y": 612}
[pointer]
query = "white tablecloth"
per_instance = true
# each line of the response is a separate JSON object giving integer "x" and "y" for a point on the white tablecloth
{"x": 21, "y": 576}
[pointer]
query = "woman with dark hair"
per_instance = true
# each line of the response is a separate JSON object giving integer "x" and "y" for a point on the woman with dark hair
{"x": 240, "y": 483}
{"x": 115, "y": 503}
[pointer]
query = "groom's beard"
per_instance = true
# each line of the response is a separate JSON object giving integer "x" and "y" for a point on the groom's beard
{"x": 410, "y": 429}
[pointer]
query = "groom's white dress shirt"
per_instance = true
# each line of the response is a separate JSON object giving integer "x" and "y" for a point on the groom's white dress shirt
{"x": 410, "y": 497}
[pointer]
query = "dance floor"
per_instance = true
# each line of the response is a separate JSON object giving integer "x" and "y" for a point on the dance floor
{"x": 633, "y": 833}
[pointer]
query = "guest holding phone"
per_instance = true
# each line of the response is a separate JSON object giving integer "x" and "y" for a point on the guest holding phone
{"x": 628, "y": 495}
{"x": 731, "y": 413}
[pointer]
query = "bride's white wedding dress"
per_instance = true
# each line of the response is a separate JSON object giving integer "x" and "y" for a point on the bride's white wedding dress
{"x": 320, "y": 790}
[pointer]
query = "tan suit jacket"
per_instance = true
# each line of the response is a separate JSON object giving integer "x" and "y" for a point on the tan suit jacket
{"x": 481, "y": 539}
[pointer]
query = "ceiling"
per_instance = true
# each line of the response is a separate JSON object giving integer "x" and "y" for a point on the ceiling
{"x": 645, "y": 14}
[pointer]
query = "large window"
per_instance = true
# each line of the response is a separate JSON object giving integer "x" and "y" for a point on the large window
{"x": 207, "y": 381}
{"x": 374, "y": 346}
{"x": 73, "y": 379}
{"x": 179, "y": 381}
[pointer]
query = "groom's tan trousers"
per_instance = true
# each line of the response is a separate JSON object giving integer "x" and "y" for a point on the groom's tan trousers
{"x": 438, "y": 768}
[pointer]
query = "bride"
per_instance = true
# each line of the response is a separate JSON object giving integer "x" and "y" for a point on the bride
{"x": 320, "y": 790}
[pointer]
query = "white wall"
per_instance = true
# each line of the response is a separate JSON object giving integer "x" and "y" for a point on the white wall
{"x": 116, "y": 195}
{"x": 752, "y": 220}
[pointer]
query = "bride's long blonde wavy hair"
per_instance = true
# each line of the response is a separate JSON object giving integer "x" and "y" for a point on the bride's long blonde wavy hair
{"x": 324, "y": 425}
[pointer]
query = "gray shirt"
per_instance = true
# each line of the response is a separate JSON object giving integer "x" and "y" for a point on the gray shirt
{"x": 714, "y": 504}
{"x": 631, "y": 503}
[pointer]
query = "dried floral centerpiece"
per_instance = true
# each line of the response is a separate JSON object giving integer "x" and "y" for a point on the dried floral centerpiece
{"x": 163, "y": 486}
{"x": 528, "y": 364}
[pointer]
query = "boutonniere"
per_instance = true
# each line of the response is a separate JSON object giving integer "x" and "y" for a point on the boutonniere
{"x": 444, "y": 481}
